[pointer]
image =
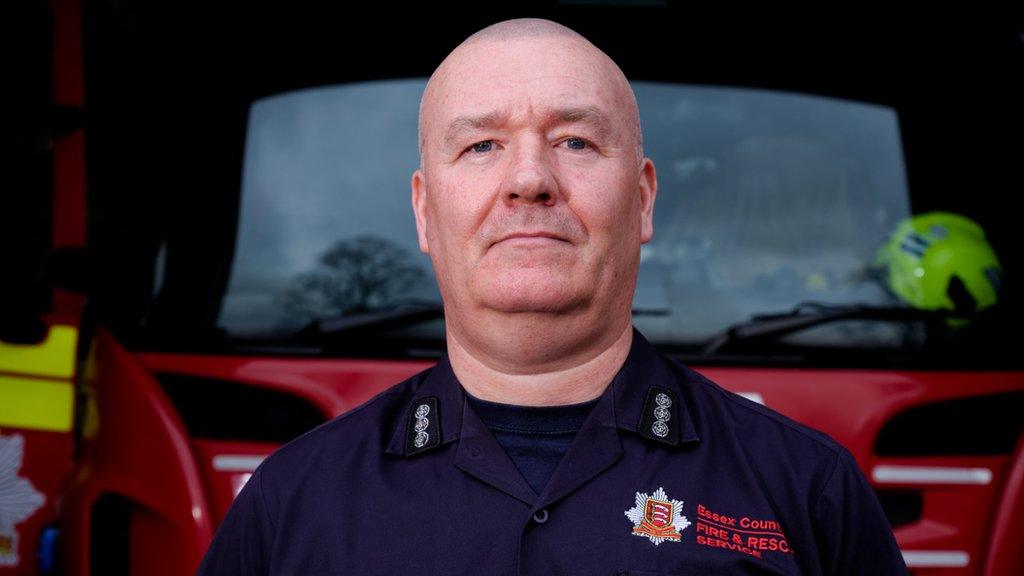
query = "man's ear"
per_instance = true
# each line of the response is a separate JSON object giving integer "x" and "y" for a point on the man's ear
{"x": 419, "y": 207}
{"x": 648, "y": 192}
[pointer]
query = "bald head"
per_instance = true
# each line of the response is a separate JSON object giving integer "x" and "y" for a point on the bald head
{"x": 458, "y": 63}
{"x": 533, "y": 197}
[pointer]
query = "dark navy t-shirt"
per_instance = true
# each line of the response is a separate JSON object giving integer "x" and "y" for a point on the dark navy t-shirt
{"x": 534, "y": 437}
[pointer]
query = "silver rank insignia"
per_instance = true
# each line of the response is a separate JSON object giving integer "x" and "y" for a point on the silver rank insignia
{"x": 657, "y": 517}
{"x": 660, "y": 418}
{"x": 423, "y": 430}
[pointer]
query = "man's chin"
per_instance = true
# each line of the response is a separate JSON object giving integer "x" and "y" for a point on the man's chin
{"x": 532, "y": 301}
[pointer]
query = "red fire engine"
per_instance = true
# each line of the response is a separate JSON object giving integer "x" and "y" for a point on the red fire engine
{"x": 212, "y": 252}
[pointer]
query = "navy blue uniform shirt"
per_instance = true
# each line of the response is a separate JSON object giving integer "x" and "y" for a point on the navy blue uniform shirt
{"x": 669, "y": 474}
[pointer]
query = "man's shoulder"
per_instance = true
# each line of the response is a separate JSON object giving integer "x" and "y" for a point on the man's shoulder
{"x": 816, "y": 486}
{"x": 724, "y": 409}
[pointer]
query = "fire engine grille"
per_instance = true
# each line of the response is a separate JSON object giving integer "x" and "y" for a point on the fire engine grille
{"x": 974, "y": 426}
{"x": 223, "y": 410}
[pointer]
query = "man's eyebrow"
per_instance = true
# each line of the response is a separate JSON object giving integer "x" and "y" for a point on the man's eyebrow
{"x": 464, "y": 123}
{"x": 591, "y": 115}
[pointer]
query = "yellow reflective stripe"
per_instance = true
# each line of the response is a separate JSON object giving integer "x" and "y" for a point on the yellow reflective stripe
{"x": 36, "y": 404}
{"x": 53, "y": 357}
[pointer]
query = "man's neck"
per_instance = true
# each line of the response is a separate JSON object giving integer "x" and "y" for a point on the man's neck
{"x": 520, "y": 377}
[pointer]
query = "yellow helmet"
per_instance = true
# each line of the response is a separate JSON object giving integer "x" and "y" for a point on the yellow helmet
{"x": 941, "y": 260}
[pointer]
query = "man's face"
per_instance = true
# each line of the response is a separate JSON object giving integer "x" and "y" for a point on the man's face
{"x": 531, "y": 197}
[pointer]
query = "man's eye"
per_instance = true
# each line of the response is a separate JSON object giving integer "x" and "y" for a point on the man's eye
{"x": 577, "y": 143}
{"x": 484, "y": 146}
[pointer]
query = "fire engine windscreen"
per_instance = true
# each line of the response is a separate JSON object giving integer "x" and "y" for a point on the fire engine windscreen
{"x": 766, "y": 199}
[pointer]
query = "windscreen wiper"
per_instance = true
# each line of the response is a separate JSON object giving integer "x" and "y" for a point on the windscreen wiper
{"x": 768, "y": 327}
{"x": 369, "y": 322}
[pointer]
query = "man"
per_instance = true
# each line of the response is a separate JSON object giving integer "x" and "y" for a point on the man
{"x": 552, "y": 438}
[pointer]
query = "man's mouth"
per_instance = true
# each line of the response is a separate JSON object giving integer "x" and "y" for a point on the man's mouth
{"x": 533, "y": 237}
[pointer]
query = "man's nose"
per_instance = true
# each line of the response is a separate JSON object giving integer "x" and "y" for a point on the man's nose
{"x": 530, "y": 177}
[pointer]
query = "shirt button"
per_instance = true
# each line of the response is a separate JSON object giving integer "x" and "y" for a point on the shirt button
{"x": 541, "y": 516}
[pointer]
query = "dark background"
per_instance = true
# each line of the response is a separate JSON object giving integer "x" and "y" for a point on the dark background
{"x": 168, "y": 86}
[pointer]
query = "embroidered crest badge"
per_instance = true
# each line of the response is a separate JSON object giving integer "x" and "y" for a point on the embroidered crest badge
{"x": 657, "y": 517}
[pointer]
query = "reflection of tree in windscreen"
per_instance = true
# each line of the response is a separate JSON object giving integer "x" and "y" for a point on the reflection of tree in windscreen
{"x": 355, "y": 275}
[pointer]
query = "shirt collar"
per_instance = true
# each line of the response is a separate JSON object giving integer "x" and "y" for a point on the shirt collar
{"x": 644, "y": 382}
{"x": 439, "y": 383}
{"x": 636, "y": 390}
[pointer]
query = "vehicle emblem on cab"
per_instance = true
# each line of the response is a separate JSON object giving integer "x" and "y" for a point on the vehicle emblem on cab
{"x": 657, "y": 517}
{"x": 18, "y": 498}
